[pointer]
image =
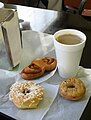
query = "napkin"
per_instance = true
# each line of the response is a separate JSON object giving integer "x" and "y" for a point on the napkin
{"x": 7, "y": 107}
{"x": 35, "y": 45}
{"x": 69, "y": 110}
{"x": 30, "y": 51}
{"x": 61, "y": 108}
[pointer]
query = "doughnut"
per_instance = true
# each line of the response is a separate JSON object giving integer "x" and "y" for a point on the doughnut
{"x": 50, "y": 63}
{"x": 47, "y": 62}
{"x": 39, "y": 62}
{"x": 26, "y": 95}
{"x": 32, "y": 71}
{"x": 72, "y": 89}
{"x": 38, "y": 67}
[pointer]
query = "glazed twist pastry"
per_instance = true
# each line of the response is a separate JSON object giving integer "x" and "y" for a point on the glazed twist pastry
{"x": 47, "y": 62}
{"x": 50, "y": 63}
{"x": 38, "y": 67}
{"x": 32, "y": 71}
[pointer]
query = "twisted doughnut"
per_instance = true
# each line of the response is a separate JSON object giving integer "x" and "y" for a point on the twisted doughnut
{"x": 38, "y": 67}
{"x": 32, "y": 71}
{"x": 50, "y": 63}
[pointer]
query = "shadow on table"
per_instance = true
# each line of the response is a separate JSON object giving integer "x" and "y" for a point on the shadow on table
{"x": 86, "y": 114}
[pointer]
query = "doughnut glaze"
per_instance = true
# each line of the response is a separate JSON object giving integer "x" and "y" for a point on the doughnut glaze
{"x": 72, "y": 89}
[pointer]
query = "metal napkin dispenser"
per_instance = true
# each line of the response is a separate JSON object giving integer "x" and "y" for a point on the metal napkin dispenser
{"x": 10, "y": 40}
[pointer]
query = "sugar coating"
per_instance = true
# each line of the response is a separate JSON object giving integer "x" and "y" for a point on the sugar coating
{"x": 26, "y": 91}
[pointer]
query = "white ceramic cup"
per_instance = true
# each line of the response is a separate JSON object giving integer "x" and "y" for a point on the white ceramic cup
{"x": 69, "y": 56}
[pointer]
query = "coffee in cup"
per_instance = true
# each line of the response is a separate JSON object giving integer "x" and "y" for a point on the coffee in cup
{"x": 69, "y": 44}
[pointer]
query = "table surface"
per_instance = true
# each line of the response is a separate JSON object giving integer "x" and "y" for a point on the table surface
{"x": 49, "y": 21}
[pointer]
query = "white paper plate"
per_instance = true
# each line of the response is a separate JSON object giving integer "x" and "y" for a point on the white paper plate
{"x": 39, "y": 80}
{"x": 46, "y": 76}
{"x": 8, "y": 108}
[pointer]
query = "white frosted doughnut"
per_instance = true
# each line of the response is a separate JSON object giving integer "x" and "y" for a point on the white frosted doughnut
{"x": 26, "y": 94}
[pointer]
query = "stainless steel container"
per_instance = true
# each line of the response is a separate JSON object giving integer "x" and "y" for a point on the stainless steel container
{"x": 10, "y": 40}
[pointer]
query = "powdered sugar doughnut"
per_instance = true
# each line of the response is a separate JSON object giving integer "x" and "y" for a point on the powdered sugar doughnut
{"x": 26, "y": 94}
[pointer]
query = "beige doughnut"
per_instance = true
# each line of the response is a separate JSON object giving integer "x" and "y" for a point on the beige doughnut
{"x": 26, "y": 95}
{"x": 72, "y": 89}
{"x": 50, "y": 63}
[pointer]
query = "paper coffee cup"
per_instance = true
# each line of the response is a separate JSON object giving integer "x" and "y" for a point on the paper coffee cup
{"x": 68, "y": 55}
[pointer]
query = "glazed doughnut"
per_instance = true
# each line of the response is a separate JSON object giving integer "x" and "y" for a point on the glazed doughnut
{"x": 26, "y": 95}
{"x": 50, "y": 63}
{"x": 72, "y": 89}
{"x": 39, "y": 62}
{"x": 32, "y": 71}
{"x": 38, "y": 67}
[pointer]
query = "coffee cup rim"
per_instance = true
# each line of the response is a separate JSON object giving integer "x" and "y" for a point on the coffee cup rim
{"x": 72, "y": 32}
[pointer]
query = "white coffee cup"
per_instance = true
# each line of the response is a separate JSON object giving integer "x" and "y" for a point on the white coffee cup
{"x": 69, "y": 56}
